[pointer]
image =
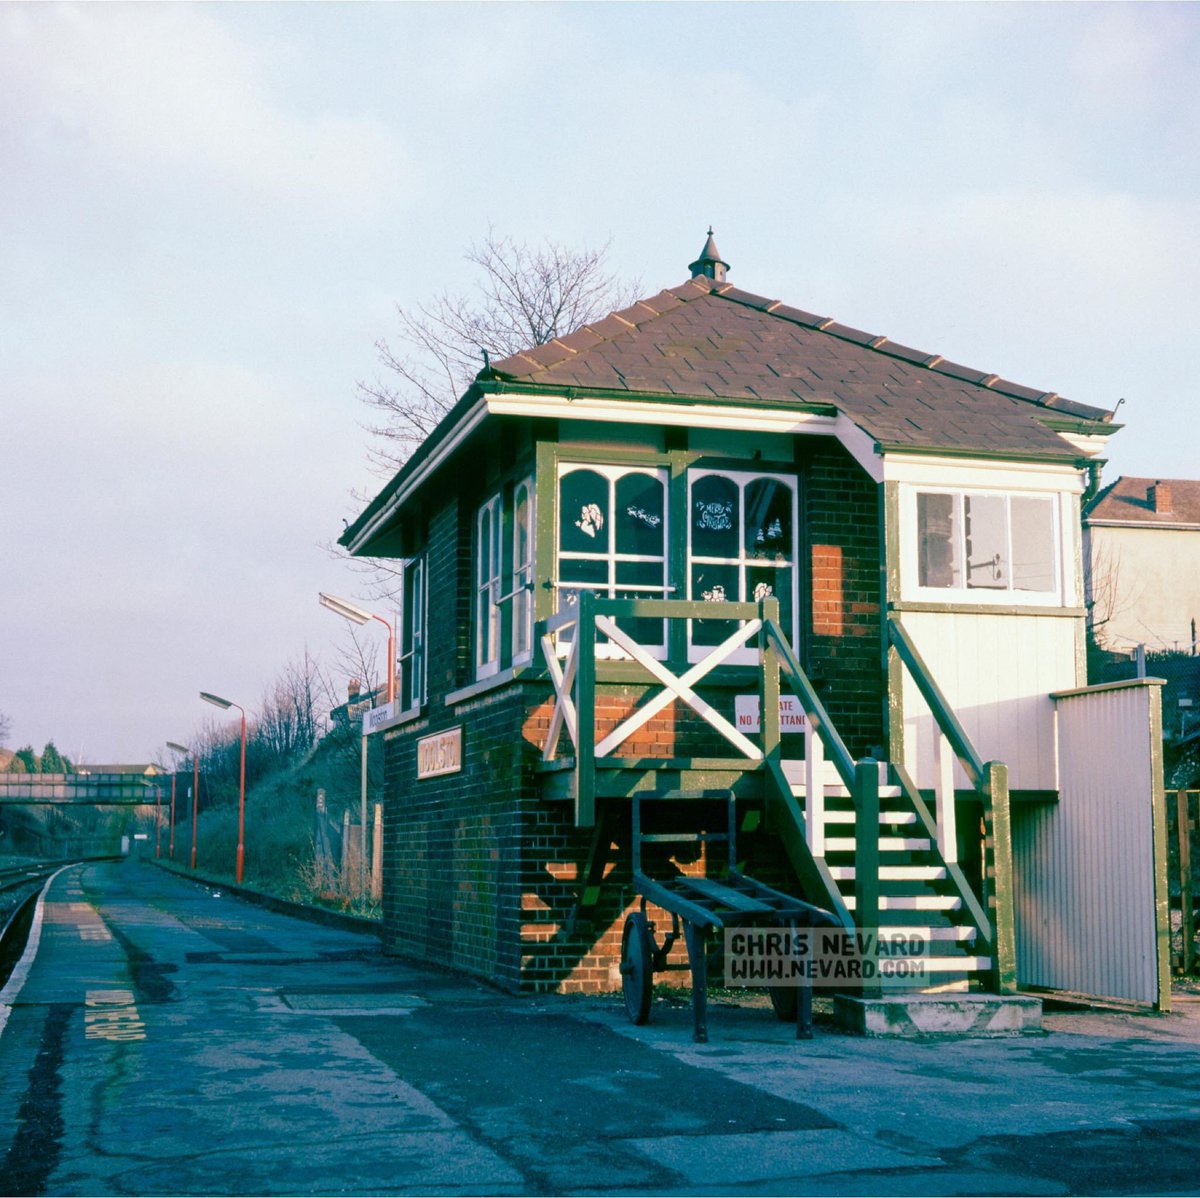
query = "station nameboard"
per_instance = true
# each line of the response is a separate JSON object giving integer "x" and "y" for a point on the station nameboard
{"x": 440, "y": 753}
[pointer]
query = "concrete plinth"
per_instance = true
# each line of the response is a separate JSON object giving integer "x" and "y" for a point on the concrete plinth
{"x": 926, "y": 1016}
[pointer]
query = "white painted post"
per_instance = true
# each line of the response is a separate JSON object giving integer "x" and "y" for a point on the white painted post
{"x": 947, "y": 830}
{"x": 814, "y": 789}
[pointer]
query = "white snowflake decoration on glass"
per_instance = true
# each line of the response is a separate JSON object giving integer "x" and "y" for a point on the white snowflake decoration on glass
{"x": 763, "y": 590}
{"x": 591, "y": 519}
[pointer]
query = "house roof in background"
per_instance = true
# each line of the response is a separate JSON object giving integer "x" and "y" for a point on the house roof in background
{"x": 1128, "y": 501}
{"x": 711, "y": 340}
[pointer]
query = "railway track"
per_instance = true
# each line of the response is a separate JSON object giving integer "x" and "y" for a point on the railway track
{"x": 19, "y": 888}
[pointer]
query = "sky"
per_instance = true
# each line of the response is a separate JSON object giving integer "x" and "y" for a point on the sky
{"x": 209, "y": 213}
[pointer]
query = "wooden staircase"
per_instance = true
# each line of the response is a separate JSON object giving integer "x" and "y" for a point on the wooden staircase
{"x": 903, "y": 878}
{"x": 917, "y": 899}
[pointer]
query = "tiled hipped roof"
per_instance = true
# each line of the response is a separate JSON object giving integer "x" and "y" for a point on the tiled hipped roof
{"x": 1148, "y": 501}
{"x": 706, "y": 340}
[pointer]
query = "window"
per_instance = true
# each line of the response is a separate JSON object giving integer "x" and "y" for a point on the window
{"x": 412, "y": 634}
{"x": 522, "y": 571}
{"x": 741, "y": 546}
{"x": 612, "y": 536}
{"x": 504, "y": 580}
{"x": 488, "y": 528}
{"x": 981, "y": 545}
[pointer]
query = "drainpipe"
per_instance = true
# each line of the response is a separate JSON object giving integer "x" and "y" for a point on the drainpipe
{"x": 1093, "y": 484}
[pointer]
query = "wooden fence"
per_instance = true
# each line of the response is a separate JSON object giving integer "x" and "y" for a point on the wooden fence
{"x": 1183, "y": 815}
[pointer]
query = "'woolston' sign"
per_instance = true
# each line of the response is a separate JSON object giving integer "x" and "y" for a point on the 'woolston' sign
{"x": 440, "y": 753}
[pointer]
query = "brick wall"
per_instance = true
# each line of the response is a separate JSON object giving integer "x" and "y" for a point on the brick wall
{"x": 482, "y": 873}
{"x": 844, "y": 649}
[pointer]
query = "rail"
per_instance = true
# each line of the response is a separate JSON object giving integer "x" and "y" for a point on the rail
{"x": 993, "y": 915}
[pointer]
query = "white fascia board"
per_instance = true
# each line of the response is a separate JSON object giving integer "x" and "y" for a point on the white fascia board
{"x": 1091, "y": 445}
{"x": 930, "y": 471}
{"x": 459, "y": 433}
{"x": 660, "y": 412}
{"x": 861, "y": 446}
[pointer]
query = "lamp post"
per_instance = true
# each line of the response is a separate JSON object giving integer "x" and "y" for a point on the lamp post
{"x": 178, "y": 748}
{"x": 359, "y": 615}
{"x": 157, "y": 820}
{"x": 225, "y": 705}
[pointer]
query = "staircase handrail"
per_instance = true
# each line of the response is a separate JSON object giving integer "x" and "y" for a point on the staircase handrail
{"x": 814, "y": 709}
{"x": 942, "y": 712}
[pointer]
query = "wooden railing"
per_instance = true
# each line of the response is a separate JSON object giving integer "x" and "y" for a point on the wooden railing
{"x": 802, "y": 829}
{"x": 989, "y": 781}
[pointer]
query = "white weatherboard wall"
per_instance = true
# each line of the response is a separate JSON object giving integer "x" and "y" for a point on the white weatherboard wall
{"x": 997, "y": 672}
{"x": 1089, "y": 872}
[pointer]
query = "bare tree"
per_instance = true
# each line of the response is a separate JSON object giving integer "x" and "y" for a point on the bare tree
{"x": 5, "y": 727}
{"x": 527, "y": 296}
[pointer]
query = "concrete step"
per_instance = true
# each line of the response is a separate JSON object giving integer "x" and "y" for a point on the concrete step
{"x": 939, "y": 1016}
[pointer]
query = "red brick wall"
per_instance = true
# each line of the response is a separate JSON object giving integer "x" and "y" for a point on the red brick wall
{"x": 481, "y": 873}
{"x": 844, "y": 649}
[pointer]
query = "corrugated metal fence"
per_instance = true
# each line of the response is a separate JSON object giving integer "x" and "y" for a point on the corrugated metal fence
{"x": 1090, "y": 884}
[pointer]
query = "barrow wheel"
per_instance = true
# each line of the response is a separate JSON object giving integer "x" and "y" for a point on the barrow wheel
{"x": 784, "y": 1001}
{"x": 637, "y": 968}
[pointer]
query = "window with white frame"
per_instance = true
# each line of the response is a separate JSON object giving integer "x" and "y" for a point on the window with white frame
{"x": 612, "y": 537}
{"x": 504, "y": 546}
{"x": 488, "y": 540}
{"x": 985, "y": 546}
{"x": 741, "y": 546}
{"x": 522, "y": 571}
{"x": 413, "y": 621}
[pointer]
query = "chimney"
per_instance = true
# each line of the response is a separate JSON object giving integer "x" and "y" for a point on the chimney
{"x": 353, "y": 689}
{"x": 1159, "y": 496}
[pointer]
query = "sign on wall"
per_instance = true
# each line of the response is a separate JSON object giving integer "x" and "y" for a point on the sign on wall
{"x": 746, "y": 711}
{"x": 375, "y": 719}
{"x": 440, "y": 753}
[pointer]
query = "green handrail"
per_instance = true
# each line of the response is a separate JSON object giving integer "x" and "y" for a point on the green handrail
{"x": 814, "y": 709}
{"x": 947, "y": 721}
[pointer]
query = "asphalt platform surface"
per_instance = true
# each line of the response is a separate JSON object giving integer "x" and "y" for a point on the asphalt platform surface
{"x": 167, "y": 1038}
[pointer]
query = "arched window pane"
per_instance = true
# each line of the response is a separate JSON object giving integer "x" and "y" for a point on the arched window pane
{"x": 583, "y": 512}
{"x": 639, "y": 515}
{"x": 714, "y": 517}
{"x": 769, "y": 519}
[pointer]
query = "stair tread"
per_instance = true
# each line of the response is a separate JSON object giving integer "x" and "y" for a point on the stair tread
{"x": 887, "y": 844}
{"x": 894, "y": 873}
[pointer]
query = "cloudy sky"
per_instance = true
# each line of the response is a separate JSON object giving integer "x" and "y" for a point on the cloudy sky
{"x": 208, "y": 214}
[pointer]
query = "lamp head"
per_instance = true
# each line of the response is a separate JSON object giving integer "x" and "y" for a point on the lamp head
{"x": 343, "y": 608}
{"x": 216, "y": 700}
{"x": 178, "y": 748}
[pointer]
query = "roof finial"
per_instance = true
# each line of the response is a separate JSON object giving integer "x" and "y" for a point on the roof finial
{"x": 709, "y": 264}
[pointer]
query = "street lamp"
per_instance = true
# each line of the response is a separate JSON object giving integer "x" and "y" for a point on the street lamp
{"x": 356, "y": 614}
{"x": 225, "y": 705}
{"x": 178, "y": 748}
{"x": 360, "y": 616}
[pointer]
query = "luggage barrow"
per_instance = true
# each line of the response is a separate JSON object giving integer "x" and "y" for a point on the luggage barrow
{"x": 698, "y": 906}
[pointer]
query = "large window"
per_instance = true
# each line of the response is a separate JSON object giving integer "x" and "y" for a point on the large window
{"x": 488, "y": 528}
{"x": 612, "y": 537}
{"x": 522, "y": 571}
{"x": 504, "y": 579}
{"x": 741, "y": 545}
{"x": 987, "y": 546}
{"x": 412, "y": 634}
